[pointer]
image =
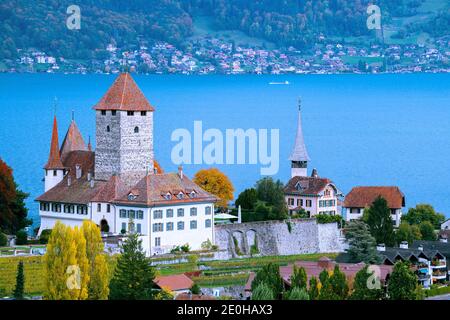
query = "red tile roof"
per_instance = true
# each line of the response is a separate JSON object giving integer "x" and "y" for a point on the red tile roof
{"x": 194, "y": 297}
{"x": 362, "y": 197}
{"x": 111, "y": 190}
{"x": 73, "y": 140}
{"x": 124, "y": 95}
{"x": 54, "y": 160}
{"x": 175, "y": 282}
{"x": 152, "y": 189}
{"x": 309, "y": 185}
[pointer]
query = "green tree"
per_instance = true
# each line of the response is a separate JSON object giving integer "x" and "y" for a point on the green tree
{"x": 380, "y": 222}
{"x": 20, "y": 283}
{"x": 270, "y": 191}
{"x": 299, "y": 278}
{"x": 407, "y": 232}
{"x": 335, "y": 286}
{"x": 3, "y": 239}
{"x": 270, "y": 275}
{"x": 427, "y": 231}
{"x": 366, "y": 286}
{"x": 262, "y": 291}
{"x": 402, "y": 284}
{"x": 195, "y": 289}
{"x": 133, "y": 276}
{"x": 424, "y": 212}
{"x": 21, "y": 237}
{"x": 297, "y": 293}
{"x": 13, "y": 212}
{"x": 45, "y": 235}
{"x": 362, "y": 246}
{"x": 247, "y": 199}
{"x": 313, "y": 290}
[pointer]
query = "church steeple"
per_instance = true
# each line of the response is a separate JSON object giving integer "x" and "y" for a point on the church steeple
{"x": 54, "y": 159}
{"x": 299, "y": 157}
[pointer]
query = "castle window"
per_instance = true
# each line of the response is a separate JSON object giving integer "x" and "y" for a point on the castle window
{"x": 138, "y": 228}
{"x": 124, "y": 227}
{"x": 99, "y": 207}
{"x": 136, "y": 129}
{"x": 130, "y": 113}
{"x": 193, "y": 224}
{"x": 55, "y": 173}
{"x": 169, "y": 226}
{"x": 113, "y": 112}
{"x": 108, "y": 129}
{"x": 193, "y": 212}
{"x": 180, "y": 225}
{"x": 131, "y": 214}
{"x": 157, "y": 242}
{"x": 123, "y": 213}
{"x": 103, "y": 112}
{"x": 108, "y": 208}
{"x": 169, "y": 213}
{"x": 158, "y": 214}
{"x": 180, "y": 212}
{"x": 143, "y": 113}
{"x": 208, "y": 223}
{"x": 158, "y": 227}
{"x": 207, "y": 211}
{"x": 140, "y": 214}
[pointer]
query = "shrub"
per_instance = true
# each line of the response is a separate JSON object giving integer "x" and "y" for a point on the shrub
{"x": 326, "y": 218}
{"x": 21, "y": 237}
{"x": 193, "y": 259}
{"x": 195, "y": 289}
{"x": 263, "y": 292}
{"x": 297, "y": 293}
{"x": 45, "y": 234}
{"x": 185, "y": 248}
{"x": 3, "y": 240}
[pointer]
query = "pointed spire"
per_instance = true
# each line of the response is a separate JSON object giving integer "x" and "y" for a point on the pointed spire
{"x": 73, "y": 140}
{"x": 299, "y": 153}
{"x": 54, "y": 160}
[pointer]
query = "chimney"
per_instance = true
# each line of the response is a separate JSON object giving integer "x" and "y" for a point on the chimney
{"x": 69, "y": 181}
{"x": 92, "y": 183}
{"x": 314, "y": 173}
{"x": 78, "y": 171}
{"x": 180, "y": 172}
{"x": 404, "y": 245}
{"x": 381, "y": 247}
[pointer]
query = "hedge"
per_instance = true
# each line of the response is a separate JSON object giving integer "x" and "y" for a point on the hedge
{"x": 221, "y": 280}
{"x": 437, "y": 291}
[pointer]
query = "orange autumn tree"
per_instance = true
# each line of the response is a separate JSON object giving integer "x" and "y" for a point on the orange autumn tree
{"x": 216, "y": 182}
{"x": 13, "y": 213}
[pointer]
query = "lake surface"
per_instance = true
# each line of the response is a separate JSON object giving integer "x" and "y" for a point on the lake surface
{"x": 359, "y": 129}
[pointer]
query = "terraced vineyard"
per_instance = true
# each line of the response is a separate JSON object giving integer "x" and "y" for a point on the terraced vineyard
{"x": 34, "y": 274}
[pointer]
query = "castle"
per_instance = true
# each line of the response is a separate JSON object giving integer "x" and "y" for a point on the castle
{"x": 311, "y": 194}
{"x": 119, "y": 186}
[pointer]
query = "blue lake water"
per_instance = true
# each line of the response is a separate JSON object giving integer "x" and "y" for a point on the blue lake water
{"x": 359, "y": 129}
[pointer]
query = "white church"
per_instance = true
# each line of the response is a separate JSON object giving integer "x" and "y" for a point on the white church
{"x": 119, "y": 186}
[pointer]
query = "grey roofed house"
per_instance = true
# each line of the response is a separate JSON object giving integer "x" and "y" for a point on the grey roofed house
{"x": 443, "y": 248}
{"x": 391, "y": 255}
{"x": 299, "y": 153}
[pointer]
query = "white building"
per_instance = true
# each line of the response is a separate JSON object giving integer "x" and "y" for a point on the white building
{"x": 313, "y": 194}
{"x": 445, "y": 225}
{"x": 360, "y": 198}
{"x": 119, "y": 186}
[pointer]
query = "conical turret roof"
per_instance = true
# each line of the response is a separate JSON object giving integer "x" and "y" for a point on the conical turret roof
{"x": 54, "y": 159}
{"x": 73, "y": 140}
{"x": 299, "y": 153}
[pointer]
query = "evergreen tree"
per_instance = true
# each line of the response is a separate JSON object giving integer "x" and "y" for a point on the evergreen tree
{"x": 133, "y": 276}
{"x": 262, "y": 292}
{"x": 402, "y": 284}
{"x": 299, "y": 278}
{"x": 20, "y": 283}
{"x": 362, "y": 246}
{"x": 270, "y": 275}
{"x": 380, "y": 222}
{"x": 335, "y": 286}
{"x": 313, "y": 288}
{"x": 366, "y": 286}
{"x": 297, "y": 293}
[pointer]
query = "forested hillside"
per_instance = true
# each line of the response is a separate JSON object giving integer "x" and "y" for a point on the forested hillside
{"x": 42, "y": 24}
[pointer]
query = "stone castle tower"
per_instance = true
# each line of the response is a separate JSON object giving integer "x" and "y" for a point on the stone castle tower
{"x": 124, "y": 133}
{"x": 299, "y": 157}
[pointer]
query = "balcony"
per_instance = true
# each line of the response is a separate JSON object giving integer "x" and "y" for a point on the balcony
{"x": 437, "y": 264}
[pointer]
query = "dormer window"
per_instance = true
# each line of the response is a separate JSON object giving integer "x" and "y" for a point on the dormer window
{"x": 298, "y": 186}
{"x": 168, "y": 196}
{"x": 132, "y": 197}
{"x": 193, "y": 194}
{"x": 180, "y": 195}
